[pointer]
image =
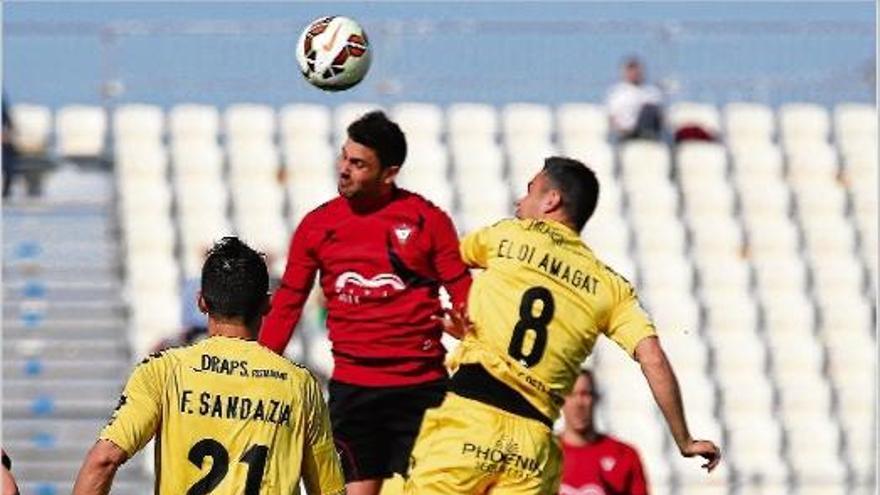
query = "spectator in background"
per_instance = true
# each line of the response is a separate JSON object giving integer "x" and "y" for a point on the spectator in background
{"x": 10, "y": 154}
{"x": 593, "y": 462}
{"x": 635, "y": 108}
{"x": 9, "y": 485}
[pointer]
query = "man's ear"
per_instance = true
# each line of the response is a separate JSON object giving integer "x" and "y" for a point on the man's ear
{"x": 200, "y": 300}
{"x": 552, "y": 201}
{"x": 390, "y": 174}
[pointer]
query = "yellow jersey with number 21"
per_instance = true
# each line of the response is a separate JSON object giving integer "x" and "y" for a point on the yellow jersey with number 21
{"x": 230, "y": 417}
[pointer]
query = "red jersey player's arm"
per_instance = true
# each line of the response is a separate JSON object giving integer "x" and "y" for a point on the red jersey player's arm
{"x": 453, "y": 273}
{"x": 291, "y": 295}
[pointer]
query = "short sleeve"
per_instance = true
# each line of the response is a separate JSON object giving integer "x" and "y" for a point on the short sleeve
{"x": 474, "y": 247}
{"x": 137, "y": 415}
{"x": 322, "y": 469}
{"x": 628, "y": 323}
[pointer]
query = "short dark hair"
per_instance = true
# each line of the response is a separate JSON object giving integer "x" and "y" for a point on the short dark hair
{"x": 588, "y": 372}
{"x": 578, "y": 186}
{"x": 235, "y": 280}
{"x": 375, "y": 131}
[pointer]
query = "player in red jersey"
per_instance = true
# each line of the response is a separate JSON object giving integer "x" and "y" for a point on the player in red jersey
{"x": 595, "y": 463}
{"x": 382, "y": 254}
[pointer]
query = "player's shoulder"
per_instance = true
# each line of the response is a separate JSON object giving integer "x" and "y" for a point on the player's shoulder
{"x": 622, "y": 448}
{"x": 412, "y": 199}
{"x": 296, "y": 372}
{"x": 327, "y": 209}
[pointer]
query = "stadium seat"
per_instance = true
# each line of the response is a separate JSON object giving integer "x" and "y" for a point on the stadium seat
{"x": 699, "y": 162}
{"x": 307, "y": 195}
{"x": 597, "y": 155}
{"x": 748, "y": 123}
{"x": 427, "y": 158}
{"x": 771, "y": 237}
{"x": 525, "y": 121}
{"x": 194, "y": 122}
{"x": 828, "y": 234}
{"x": 526, "y": 158}
{"x": 668, "y": 237}
{"x": 249, "y": 122}
{"x": 644, "y": 161}
{"x": 141, "y": 160}
{"x": 80, "y": 131}
{"x": 813, "y": 162}
{"x": 780, "y": 274}
{"x": 820, "y": 198}
{"x": 480, "y": 164}
{"x": 837, "y": 273}
{"x": 576, "y": 122}
{"x": 762, "y": 160}
{"x": 728, "y": 309}
{"x": 33, "y": 124}
{"x": 732, "y": 273}
{"x": 854, "y": 123}
{"x": 305, "y": 123}
{"x": 689, "y": 113}
{"x": 708, "y": 197}
{"x": 677, "y": 330}
{"x": 249, "y": 160}
{"x": 471, "y": 121}
{"x": 197, "y": 161}
{"x": 257, "y": 197}
{"x": 669, "y": 271}
{"x": 754, "y": 448}
{"x": 267, "y": 233}
{"x": 649, "y": 200}
{"x": 607, "y": 233}
{"x": 803, "y": 122}
{"x": 137, "y": 122}
{"x": 419, "y": 121}
{"x": 767, "y": 201}
{"x": 347, "y": 113}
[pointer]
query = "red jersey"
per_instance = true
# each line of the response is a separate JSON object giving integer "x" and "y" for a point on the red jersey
{"x": 606, "y": 467}
{"x": 380, "y": 272}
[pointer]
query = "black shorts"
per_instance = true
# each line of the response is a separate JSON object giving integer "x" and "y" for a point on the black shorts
{"x": 374, "y": 428}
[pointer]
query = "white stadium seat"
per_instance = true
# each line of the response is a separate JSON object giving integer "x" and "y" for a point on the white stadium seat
{"x": 748, "y": 123}
{"x": 419, "y": 121}
{"x": 598, "y": 155}
{"x": 33, "y": 124}
{"x": 80, "y": 131}
{"x": 305, "y": 122}
{"x": 468, "y": 121}
{"x": 855, "y": 123}
{"x": 581, "y": 122}
{"x": 688, "y": 113}
{"x": 194, "y": 122}
{"x": 526, "y": 120}
{"x": 249, "y": 122}
{"x": 138, "y": 122}
{"x": 803, "y": 122}
{"x": 644, "y": 161}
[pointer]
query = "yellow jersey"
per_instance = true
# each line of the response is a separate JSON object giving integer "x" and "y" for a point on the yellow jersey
{"x": 230, "y": 417}
{"x": 539, "y": 306}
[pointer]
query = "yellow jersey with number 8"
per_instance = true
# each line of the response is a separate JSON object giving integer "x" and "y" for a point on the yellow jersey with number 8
{"x": 539, "y": 307}
{"x": 229, "y": 417}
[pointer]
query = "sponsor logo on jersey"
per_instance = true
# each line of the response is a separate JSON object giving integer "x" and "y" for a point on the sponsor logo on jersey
{"x": 352, "y": 286}
{"x": 502, "y": 457}
{"x": 588, "y": 489}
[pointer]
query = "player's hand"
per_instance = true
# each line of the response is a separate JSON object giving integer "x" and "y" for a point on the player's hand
{"x": 705, "y": 449}
{"x": 455, "y": 322}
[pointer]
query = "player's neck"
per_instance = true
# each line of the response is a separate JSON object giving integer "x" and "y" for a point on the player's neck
{"x": 233, "y": 329}
{"x": 580, "y": 438}
{"x": 370, "y": 204}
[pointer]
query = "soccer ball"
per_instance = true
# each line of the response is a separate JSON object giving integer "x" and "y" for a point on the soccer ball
{"x": 333, "y": 53}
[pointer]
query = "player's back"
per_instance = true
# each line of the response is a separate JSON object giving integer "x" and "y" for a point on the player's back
{"x": 234, "y": 418}
{"x": 540, "y": 306}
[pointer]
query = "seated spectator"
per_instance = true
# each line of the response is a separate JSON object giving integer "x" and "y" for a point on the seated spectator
{"x": 593, "y": 462}
{"x": 634, "y": 107}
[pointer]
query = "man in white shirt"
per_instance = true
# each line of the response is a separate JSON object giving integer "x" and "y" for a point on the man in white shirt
{"x": 634, "y": 107}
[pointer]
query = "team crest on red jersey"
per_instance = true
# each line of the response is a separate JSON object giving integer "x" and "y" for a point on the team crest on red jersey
{"x": 403, "y": 232}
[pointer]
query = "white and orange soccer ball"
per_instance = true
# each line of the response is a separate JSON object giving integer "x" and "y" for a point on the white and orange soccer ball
{"x": 333, "y": 53}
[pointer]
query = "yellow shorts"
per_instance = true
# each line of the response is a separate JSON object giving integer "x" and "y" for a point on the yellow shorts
{"x": 467, "y": 447}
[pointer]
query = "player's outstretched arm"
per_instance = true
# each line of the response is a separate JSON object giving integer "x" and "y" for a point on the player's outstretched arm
{"x": 97, "y": 472}
{"x": 661, "y": 379}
